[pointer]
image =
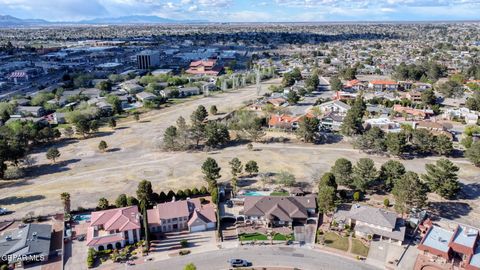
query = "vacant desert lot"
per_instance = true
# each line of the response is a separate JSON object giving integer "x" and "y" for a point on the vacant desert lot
{"x": 87, "y": 174}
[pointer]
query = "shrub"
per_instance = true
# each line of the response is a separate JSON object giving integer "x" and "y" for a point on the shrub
{"x": 90, "y": 257}
{"x": 386, "y": 202}
{"x": 184, "y": 243}
{"x": 203, "y": 200}
{"x": 13, "y": 173}
{"x": 184, "y": 252}
{"x": 356, "y": 196}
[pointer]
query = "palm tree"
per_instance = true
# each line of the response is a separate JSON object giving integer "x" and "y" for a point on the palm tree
{"x": 65, "y": 197}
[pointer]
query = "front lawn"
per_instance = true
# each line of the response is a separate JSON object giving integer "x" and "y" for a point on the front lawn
{"x": 334, "y": 240}
{"x": 279, "y": 193}
{"x": 359, "y": 248}
{"x": 282, "y": 237}
{"x": 252, "y": 237}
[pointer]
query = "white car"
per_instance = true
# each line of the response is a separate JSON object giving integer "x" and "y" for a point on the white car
{"x": 3, "y": 211}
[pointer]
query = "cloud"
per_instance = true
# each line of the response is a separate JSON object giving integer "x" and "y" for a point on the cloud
{"x": 246, "y": 10}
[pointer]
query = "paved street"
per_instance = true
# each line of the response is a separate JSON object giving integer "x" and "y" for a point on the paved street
{"x": 305, "y": 259}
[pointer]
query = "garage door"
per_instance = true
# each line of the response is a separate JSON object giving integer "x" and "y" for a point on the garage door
{"x": 198, "y": 228}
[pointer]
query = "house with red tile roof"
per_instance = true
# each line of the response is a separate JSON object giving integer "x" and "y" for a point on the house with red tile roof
{"x": 204, "y": 67}
{"x": 114, "y": 228}
{"x": 412, "y": 113}
{"x": 355, "y": 85}
{"x": 182, "y": 215}
{"x": 382, "y": 85}
{"x": 285, "y": 122}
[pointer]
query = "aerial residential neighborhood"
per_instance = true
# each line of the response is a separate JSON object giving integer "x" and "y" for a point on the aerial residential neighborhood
{"x": 214, "y": 135}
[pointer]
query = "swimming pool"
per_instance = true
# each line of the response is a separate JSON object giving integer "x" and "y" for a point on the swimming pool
{"x": 82, "y": 217}
{"x": 256, "y": 193}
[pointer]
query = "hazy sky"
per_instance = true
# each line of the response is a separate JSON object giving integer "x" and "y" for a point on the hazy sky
{"x": 247, "y": 10}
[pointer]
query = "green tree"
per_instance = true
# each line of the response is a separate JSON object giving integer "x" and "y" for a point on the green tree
{"x": 216, "y": 134}
{"x": 102, "y": 204}
{"x": 343, "y": 170}
{"x": 396, "y": 143}
{"x": 308, "y": 129}
{"x": 53, "y": 154}
{"x": 293, "y": 97}
{"x": 390, "y": 172}
{"x": 312, "y": 82}
{"x": 423, "y": 140}
{"x": 364, "y": 174}
{"x": 94, "y": 126}
{"x": 198, "y": 118}
{"x": 211, "y": 173}
{"x": 352, "y": 123}
{"x": 131, "y": 201}
{"x": 145, "y": 192}
{"x": 442, "y": 145}
{"x": 136, "y": 115}
{"x": 328, "y": 179}
{"x": 121, "y": 201}
{"x": 473, "y": 153}
{"x": 442, "y": 178}
{"x": 428, "y": 97}
{"x": 409, "y": 192}
{"x": 65, "y": 197}
{"x": 102, "y": 146}
{"x": 213, "y": 110}
{"x": 112, "y": 123}
{"x": 236, "y": 166}
{"x": 326, "y": 199}
{"x": 336, "y": 84}
{"x": 190, "y": 266}
{"x": 372, "y": 141}
{"x": 251, "y": 167}
{"x": 104, "y": 85}
{"x": 182, "y": 132}
{"x": 170, "y": 138}
{"x": 285, "y": 179}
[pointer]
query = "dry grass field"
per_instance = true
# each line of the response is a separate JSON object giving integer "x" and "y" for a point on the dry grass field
{"x": 87, "y": 174}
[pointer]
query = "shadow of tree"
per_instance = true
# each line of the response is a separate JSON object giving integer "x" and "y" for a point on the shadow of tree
{"x": 469, "y": 191}
{"x": 450, "y": 210}
{"x": 16, "y": 200}
{"x": 45, "y": 169}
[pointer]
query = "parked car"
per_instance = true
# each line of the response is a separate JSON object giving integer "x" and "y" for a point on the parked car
{"x": 239, "y": 263}
{"x": 3, "y": 211}
{"x": 229, "y": 204}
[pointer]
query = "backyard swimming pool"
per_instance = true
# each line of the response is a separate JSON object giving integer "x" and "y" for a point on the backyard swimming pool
{"x": 255, "y": 193}
{"x": 82, "y": 217}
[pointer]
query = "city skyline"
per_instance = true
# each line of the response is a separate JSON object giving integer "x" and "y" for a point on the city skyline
{"x": 248, "y": 10}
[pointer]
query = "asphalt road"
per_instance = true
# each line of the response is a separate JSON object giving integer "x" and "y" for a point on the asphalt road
{"x": 302, "y": 258}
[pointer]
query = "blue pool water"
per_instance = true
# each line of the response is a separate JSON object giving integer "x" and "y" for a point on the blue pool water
{"x": 82, "y": 217}
{"x": 256, "y": 193}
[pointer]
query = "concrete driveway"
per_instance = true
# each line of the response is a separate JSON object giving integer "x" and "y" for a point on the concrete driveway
{"x": 171, "y": 244}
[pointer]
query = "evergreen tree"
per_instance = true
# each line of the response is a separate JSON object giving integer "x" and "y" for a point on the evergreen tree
{"x": 364, "y": 174}
{"x": 390, "y": 172}
{"x": 442, "y": 178}
{"x": 409, "y": 192}
{"x": 342, "y": 170}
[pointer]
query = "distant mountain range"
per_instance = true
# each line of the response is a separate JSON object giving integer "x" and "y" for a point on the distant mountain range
{"x": 7, "y": 21}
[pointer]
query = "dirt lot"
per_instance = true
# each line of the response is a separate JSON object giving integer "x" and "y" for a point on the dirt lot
{"x": 135, "y": 155}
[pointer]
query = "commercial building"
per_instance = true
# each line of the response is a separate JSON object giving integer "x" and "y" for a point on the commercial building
{"x": 148, "y": 59}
